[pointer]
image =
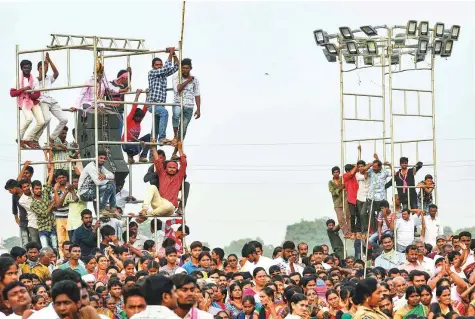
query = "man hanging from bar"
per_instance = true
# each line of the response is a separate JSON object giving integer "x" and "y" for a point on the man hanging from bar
{"x": 157, "y": 84}
{"x": 28, "y": 103}
{"x": 47, "y": 103}
{"x": 164, "y": 200}
{"x": 86, "y": 97}
{"x": 406, "y": 183}
{"x": 88, "y": 180}
{"x": 190, "y": 89}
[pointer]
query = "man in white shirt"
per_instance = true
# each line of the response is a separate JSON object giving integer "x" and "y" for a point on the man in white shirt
{"x": 25, "y": 201}
{"x": 88, "y": 180}
{"x": 404, "y": 230}
{"x": 16, "y": 297}
{"x": 47, "y": 103}
{"x": 161, "y": 297}
{"x": 431, "y": 226}
{"x": 190, "y": 90}
{"x": 362, "y": 194}
{"x": 253, "y": 260}
{"x": 287, "y": 263}
{"x": 185, "y": 289}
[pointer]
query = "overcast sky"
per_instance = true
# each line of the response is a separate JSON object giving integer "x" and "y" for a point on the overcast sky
{"x": 261, "y": 154}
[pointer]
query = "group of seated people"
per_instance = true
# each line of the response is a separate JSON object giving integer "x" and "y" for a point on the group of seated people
{"x": 119, "y": 280}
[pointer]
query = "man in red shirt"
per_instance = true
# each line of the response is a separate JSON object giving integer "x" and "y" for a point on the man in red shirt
{"x": 351, "y": 186}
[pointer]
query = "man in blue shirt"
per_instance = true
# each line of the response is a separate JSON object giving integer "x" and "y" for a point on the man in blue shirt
{"x": 157, "y": 84}
{"x": 73, "y": 263}
{"x": 193, "y": 265}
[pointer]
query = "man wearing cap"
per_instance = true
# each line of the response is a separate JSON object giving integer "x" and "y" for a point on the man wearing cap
{"x": 431, "y": 226}
{"x": 170, "y": 177}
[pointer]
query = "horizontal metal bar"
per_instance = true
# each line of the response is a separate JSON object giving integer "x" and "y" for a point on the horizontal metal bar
{"x": 62, "y": 161}
{"x": 47, "y": 149}
{"x": 82, "y": 46}
{"x": 367, "y": 139}
{"x": 412, "y": 90}
{"x": 413, "y": 115}
{"x": 93, "y": 36}
{"x": 153, "y": 216}
{"x": 409, "y": 186}
{"x": 367, "y": 95}
{"x": 128, "y": 143}
{"x": 425, "y": 165}
{"x": 138, "y": 103}
{"x": 61, "y": 88}
{"x": 143, "y": 92}
{"x": 140, "y": 53}
{"x": 411, "y": 141}
{"x": 364, "y": 120}
{"x": 135, "y": 202}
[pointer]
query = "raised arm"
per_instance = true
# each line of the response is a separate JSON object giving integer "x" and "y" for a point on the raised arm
{"x": 53, "y": 67}
{"x": 22, "y": 172}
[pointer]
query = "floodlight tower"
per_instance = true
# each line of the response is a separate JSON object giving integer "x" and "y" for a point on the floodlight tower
{"x": 394, "y": 49}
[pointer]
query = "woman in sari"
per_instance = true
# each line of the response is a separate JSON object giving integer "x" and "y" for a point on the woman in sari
{"x": 234, "y": 304}
{"x": 413, "y": 306}
{"x": 101, "y": 272}
{"x": 444, "y": 304}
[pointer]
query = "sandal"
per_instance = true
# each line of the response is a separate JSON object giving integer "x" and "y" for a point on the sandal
{"x": 32, "y": 144}
{"x": 130, "y": 160}
{"x": 164, "y": 141}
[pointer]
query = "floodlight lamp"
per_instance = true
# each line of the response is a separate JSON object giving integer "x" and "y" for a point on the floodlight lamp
{"x": 331, "y": 49}
{"x": 330, "y": 58}
{"x": 369, "y": 30}
{"x": 447, "y": 48}
{"x": 368, "y": 60}
{"x": 346, "y": 33}
{"x": 422, "y": 45}
{"x": 371, "y": 47}
{"x": 439, "y": 29}
{"x": 411, "y": 27}
{"x": 419, "y": 57}
{"x": 352, "y": 47}
{"x": 321, "y": 37}
{"x": 424, "y": 28}
{"x": 437, "y": 46}
{"x": 350, "y": 59}
{"x": 454, "y": 32}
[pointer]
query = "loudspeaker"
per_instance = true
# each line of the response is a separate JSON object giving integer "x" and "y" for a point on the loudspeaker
{"x": 111, "y": 121}
{"x": 86, "y": 136}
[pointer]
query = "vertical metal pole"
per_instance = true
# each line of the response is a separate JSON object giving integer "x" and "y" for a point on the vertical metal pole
{"x": 342, "y": 145}
{"x": 43, "y": 69}
{"x": 156, "y": 235}
{"x": 130, "y": 179}
{"x": 180, "y": 54}
{"x": 70, "y": 164}
{"x": 68, "y": 59}
{"x": 383, "y": 82}
{"x": 125, "y": 123}
{"x": 96, "y": 134}
{"x": 391, "y": 118}
{"x": 434, "y": 141}
{"x": 127, "y": 231}
{"x": 17, "y": 66}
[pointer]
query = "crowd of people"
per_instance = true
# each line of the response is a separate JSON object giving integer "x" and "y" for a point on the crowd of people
{"x": 72, "y": 265}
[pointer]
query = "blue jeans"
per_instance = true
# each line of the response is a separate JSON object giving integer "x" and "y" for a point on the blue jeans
{"x": 133, "y": 150}
{"x": 106, "y": 195}
{"x": 374, "y": 239}
{"x": 49, "y": 239}
{"x": 187, "y": 116}
{"x": 24, "y": 236}
{"x": 161, "y": 121}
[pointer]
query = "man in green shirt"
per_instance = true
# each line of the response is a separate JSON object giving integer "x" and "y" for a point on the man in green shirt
{"x": 336, "y": 187}
{"x": 73, "y": 263}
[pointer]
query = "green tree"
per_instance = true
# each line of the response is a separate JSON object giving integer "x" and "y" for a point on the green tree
{"x": 448, "y": 230}
{"x": 235, "y": 247}
{"x": 11, "y": 242}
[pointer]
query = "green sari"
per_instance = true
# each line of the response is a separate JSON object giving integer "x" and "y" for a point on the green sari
{"x": 420, "y": 310}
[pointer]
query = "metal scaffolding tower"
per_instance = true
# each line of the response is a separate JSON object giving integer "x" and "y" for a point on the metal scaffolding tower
{"x": 398, "y": 50}
{"x": 101, "y": 48}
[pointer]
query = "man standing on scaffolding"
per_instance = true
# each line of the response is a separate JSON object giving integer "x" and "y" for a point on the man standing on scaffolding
{"x": 157, "y": 84}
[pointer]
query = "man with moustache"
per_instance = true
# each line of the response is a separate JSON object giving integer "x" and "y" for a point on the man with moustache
{"x": 185, "y": 289}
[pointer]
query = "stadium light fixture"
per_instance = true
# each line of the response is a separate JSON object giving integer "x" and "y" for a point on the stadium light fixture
{"x": 422, "y": 46}
{"x": 424, "y": 28}
{"x": 331, "y": 49}
{"x": 321, "y": 37}
{"x": 400, "y": 39}
{"x": 439, "y": 29}
{"x": 350, "y": 59}
{"x": 447, "y": 48}
{"x": 368, "y": 60}
{"x": 411, "y": 27}
{"x": 419, "y": 57}
{"x": 371, "y": 47}
{"x": 352, "y": 48}
{"x": 437, "y": 47}
{"x": 330, "y": 58}
{"x": 369, "y": 30}
{"x": 395, "y": 58}
{"x": 454, "y": 32}
{"x": 346, "y": 33}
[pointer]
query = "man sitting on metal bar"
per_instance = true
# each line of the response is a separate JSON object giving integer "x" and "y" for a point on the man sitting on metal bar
{"x": 28, "y": 103}
{"x": 88, "y": 180}
{"x": 157, "y": 84}
{"x": 133, "y": 121}
{"x": 47, "y": 103}
{"x": 190, "y": 90}
{"x": 170, "y": 176}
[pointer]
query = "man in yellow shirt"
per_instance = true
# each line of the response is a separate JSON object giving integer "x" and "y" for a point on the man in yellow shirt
{"x": 33, "y": 264}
